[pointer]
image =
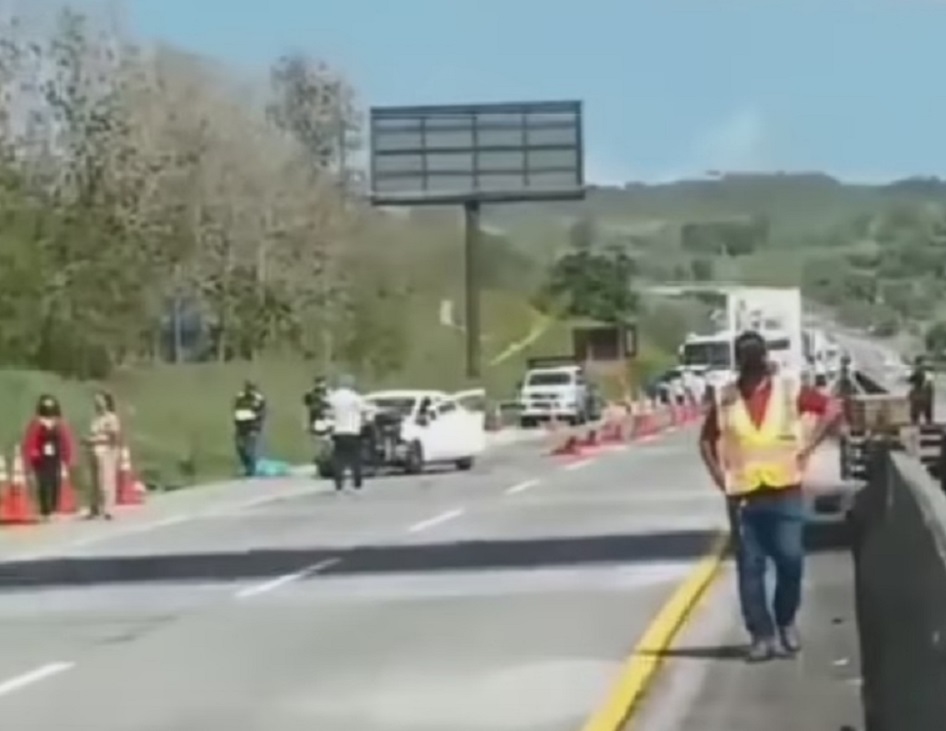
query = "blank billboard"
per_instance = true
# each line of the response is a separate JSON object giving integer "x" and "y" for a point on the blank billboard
{"x": 482, "y": 152}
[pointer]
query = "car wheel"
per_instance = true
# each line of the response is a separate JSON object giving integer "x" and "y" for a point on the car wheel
{"x": 465, "y": 464}
{"x": 414, "y": 462}
{"x": 527, "y": 422}
{"x": 324, "y": 470}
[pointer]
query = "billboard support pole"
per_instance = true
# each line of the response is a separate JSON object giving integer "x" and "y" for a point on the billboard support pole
{"x": 471, "y": 246}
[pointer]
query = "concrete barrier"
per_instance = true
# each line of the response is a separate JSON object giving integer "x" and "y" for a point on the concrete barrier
{"x": 898, "y": 540}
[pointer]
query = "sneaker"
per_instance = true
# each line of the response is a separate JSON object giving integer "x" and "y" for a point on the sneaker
{"x": 761, "y": 650}
{"x": 790, "y": 640}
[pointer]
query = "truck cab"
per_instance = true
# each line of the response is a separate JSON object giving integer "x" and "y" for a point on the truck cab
{"x": 710, "y": 356}
{"x": 554, "y": 389}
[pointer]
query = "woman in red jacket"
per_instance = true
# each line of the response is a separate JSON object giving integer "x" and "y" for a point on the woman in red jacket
{"x": 48, "y": 448}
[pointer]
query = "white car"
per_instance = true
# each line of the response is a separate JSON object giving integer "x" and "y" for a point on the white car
{"x": 436, "y": 427}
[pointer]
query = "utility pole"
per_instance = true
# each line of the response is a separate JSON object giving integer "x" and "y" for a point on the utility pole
{"x": 471, "y": 245}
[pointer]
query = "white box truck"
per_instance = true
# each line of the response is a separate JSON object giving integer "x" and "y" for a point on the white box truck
{"x": 776, "y": 314}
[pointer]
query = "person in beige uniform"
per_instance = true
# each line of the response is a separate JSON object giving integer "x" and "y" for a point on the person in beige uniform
{"x": 104, "y": 443}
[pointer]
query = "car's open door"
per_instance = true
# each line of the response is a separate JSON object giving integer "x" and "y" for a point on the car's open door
{"x": 471, "y": 420}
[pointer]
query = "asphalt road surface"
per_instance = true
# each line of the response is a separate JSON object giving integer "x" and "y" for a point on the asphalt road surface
{"x": 503, "y": 598}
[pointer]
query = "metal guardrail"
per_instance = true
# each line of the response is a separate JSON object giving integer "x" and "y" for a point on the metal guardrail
{"x": 898, "y": 542}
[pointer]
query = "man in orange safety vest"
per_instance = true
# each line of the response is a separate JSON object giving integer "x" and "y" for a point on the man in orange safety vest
{"x": 756, "y": 447}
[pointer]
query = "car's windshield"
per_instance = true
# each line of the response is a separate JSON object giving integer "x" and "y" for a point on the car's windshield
{"x": 712, "y": 354}
{"x": 778, "y": 344}
{"x": 549, "y": 378}
{"x": 402, "y": 405}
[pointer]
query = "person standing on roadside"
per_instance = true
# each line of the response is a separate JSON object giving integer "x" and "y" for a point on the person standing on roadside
{"x": 347, "y": 409}
{"x": 921, "y": 393}
{"x": 754, "y": 446}
{"x": 845, "y": 386}
{"x": 48, "y": 449}
{"x": 249, "y": 415}
{"x": 105, "y": 443}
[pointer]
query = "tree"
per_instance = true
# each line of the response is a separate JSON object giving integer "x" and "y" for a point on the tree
{"x": 701, "y": 269}
{"x": 935, "y": 338}
{"x": 593, "y": 285}
{"x": 727, "y": 237}
{"x": 139, "y": 180}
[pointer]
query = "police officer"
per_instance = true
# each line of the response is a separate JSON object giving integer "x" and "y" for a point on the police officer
{"x": 921, "y": 393}
{"x": 348, "y": 410}
{"x": 249, "y": 414}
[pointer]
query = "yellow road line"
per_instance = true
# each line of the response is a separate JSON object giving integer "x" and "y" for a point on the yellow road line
{"x": 641, "y": 667}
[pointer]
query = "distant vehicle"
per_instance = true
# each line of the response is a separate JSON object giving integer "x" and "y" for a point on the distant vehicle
{"x": 408, "y": 430}
{"x": 674, "y": 383}
{"x": 555, "y": 388}
{"x": 776, "y": 314}
{"x": 896, "y": 369}
{"x": 711, "y": 356}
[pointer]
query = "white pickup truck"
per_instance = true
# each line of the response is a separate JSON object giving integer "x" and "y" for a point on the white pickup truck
{"x": 555, "y": 388}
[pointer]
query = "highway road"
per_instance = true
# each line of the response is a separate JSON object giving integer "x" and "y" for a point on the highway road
{"x": 504, "y": 598}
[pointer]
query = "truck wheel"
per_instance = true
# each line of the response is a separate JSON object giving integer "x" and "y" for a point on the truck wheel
{"x": 465, "y": 464}
{"x": 414, "y": 462}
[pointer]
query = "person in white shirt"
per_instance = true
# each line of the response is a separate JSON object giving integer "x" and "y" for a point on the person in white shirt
{"x": 348, "y": 410}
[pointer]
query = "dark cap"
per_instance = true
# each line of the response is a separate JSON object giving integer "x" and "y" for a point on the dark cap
{"x": 47, "y": 406}
{"x": 749, "y": 339}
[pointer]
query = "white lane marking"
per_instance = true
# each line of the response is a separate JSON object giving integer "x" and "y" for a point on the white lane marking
{"x": 34, "y": 676}
{"x": 436, "y": 520}
{"x": 279, "y": 581}
{"x": 578, "y": 465}
{"x": 522, "y": 486}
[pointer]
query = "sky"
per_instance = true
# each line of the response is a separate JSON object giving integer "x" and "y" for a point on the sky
{"x": 671, "y": 88}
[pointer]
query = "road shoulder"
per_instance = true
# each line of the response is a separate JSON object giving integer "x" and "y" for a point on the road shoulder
{"x": 706, "y": 685}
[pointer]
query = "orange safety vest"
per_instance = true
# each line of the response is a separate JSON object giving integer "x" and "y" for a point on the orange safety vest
{"x": 763, "y": 457}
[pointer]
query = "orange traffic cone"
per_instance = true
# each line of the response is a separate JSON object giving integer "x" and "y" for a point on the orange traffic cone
{"x": 647, "y": 423}
{"x": 569, "y": 448}
{"x": 130, "y": 489}
{"x": 68, "y": 499}
{"x": 16, "y": 503}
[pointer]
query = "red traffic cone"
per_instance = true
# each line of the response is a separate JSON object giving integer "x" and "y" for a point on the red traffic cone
{"x": 68, "y": 499}
{"x": 16, "y": 502}
{"x": 130, "y": 489}
{"x": 569, "y": 448}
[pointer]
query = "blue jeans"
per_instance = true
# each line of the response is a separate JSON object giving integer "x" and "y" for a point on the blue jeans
{"x": 247, "y": 447}
{"x": 769, "y": 526}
